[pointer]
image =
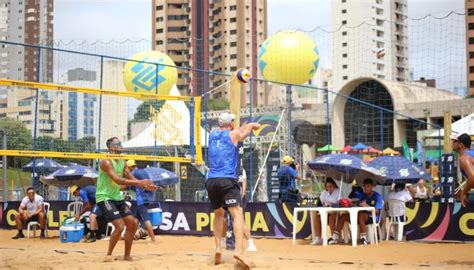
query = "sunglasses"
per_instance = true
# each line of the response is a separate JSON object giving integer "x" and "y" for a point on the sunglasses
{"x": 117, "y": 144}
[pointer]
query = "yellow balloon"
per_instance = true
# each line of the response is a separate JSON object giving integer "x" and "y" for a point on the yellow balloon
{"x": 288, "y": 57}
{"x": 141, "y": 77}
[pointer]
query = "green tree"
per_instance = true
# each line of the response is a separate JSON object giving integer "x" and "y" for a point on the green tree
{"x": 18, "y": 138}
{"x": 143, "y": 110}
{"x": 215, "y": 104}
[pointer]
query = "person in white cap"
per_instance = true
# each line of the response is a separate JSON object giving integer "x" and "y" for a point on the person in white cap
{"x": 222, "y": 181}
{"x": 462, "y": 143}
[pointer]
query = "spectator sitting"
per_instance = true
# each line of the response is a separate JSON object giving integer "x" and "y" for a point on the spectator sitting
{"x": 421, "y": 192}
{"x": 368, "y": 198}
{"x": 400, "y": 195}
{"x": 31, "y": 209}
{"x": 328, "y": 197}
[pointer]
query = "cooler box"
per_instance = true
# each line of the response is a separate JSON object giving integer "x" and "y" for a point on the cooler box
{"x": 71, "y": 233}
{"x": 156, "y": 216}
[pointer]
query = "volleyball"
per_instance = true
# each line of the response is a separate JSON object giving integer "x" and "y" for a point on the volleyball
{"x": 243, "y": 75}
{"x": 288, "y": 57}
{"x": 140, "y": 77}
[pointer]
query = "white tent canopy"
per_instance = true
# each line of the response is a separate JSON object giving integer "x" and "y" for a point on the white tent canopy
{"x": 170, "y": 126}
{"x": 463, "y": 125}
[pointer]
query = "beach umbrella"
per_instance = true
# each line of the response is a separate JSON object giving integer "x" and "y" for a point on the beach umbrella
{"x": 346, "y": 149}
{"x": 399, "y": 169}
{"x": 360, "y": 147}
{"x": 42, "y": 166}
{"x": 346, "y": 168}
{"x": 71, "y": 175}
{"x": 327, "y": 148}
{"x": 371, "y": 150}
{"x": 390, "y": 151}
{"x": 160, "y": 176}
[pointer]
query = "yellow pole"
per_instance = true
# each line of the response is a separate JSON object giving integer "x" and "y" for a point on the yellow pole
{"x": 235, "y": 96}
{"x": 447, "y": 132}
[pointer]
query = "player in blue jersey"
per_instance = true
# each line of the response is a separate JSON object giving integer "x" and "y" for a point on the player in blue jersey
{"x": 222, "y": 180}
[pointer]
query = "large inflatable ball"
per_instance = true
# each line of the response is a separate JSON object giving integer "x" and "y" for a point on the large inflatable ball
{"x": 288, "y": 57}
{"x": 140, "y": 77}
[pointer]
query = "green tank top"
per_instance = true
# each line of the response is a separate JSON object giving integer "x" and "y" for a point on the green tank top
{"x": 107, "y": 189}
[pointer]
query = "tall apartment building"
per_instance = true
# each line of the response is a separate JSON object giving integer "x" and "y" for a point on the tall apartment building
{"x": 31, "y": 22}
{"x": 212, "y": 35}
{"x": 114, "y": 120}
{"x": 469, "y": 6}
{"x": 355, "y": 45}
{"x": 82, "y": 116}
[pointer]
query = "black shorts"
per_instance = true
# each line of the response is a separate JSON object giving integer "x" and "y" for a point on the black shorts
{"x": 140, "y": 212}
{"x": 223, "y": 192}
{"x": 243, "y": 202}
{"x": 34, "y": 218}
{"x": 113, "y": 210}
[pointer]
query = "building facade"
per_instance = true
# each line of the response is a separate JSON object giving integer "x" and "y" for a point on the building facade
{"x": 215, "y": 35}
{"x": 371, "y": 40}
{"x": 469, "y": 6}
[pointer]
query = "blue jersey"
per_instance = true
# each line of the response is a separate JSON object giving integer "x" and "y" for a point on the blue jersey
{"x": 223, "y": 155}
{"x": 143, "y": 195}
{"x": 87, "y": 194}
{"x": 374, "y": 200}
{"x": 286, "y": 177}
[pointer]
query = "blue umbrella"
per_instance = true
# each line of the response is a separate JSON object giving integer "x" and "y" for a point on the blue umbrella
{"x": 160, "y": 176}
{"x": 71, "y": 175}
{"x": 399, "y": 169}
{"x": 43, "y": 166}
{"x": 345, "y": 167}
{"x": 360, "y": 146}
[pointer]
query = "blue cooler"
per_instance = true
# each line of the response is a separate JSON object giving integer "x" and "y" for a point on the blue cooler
{"x": 156, "y": 216}
{"x": 71, "y": 232}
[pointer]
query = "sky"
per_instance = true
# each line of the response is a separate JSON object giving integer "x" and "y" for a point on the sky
{"x": 131, "y": 19}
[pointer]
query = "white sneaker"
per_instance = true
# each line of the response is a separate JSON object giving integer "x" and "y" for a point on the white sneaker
{"x": 317, "y": 241}
{"x": 251, "y": 246}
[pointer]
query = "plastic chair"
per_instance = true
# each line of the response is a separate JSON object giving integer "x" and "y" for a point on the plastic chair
{"x": 33, "y": 224}
{"x": 73, "y": 208}
{"x": 372, "y": 233}
{"x": 396, "y": 216}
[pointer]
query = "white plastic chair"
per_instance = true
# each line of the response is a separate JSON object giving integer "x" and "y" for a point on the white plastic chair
{"x": 33, "y": 224}
{"x": 396, "y": 216}
{"x": 74, "y": 207}
{"x": 372, "y": 233}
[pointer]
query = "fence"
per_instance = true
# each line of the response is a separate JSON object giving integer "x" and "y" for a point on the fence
{"x": 67, "y": 105}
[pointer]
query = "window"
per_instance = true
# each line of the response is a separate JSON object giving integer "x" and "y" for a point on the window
{"x": 471, "y": 40}
{"x": 471, "y": 83}
{"x": 232, "y": 20}
{"x": 175, "y": 6}
{"x": 25, "y": 113}
{"x": 159, "y": 30}
{"x": 344, "y": 77}
{"x": 471, "y": 26}
{"x": 344, "y": 33}
{"x": 160, "y": 7}
{"x": 343, "y": 1}
{"x": 176, "y": 29}
{"x": 233, "y": 68}
{"x": 344, "y": 11}
{"x": 344, "y": 55}
{"x": 471, "y": 55}
{"x": 159, "y": 42}
{"x": 234, "y": 7}
{"x": 344, "y": 44}
{"x": 177, "y": 17}
{"x": 471, "y": 69}
{"x": 344, "y": 66}
{"x": 344, "y": 22}
{"x": 233, "y": 44}
{"x": 233, "y": 32}
{"x": 159, "y": 19}
{"x": 233, "y": 56}
{"x": 470, "y": 11}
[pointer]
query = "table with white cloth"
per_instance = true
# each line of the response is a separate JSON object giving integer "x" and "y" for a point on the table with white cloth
{"x": 325, "y": 211}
